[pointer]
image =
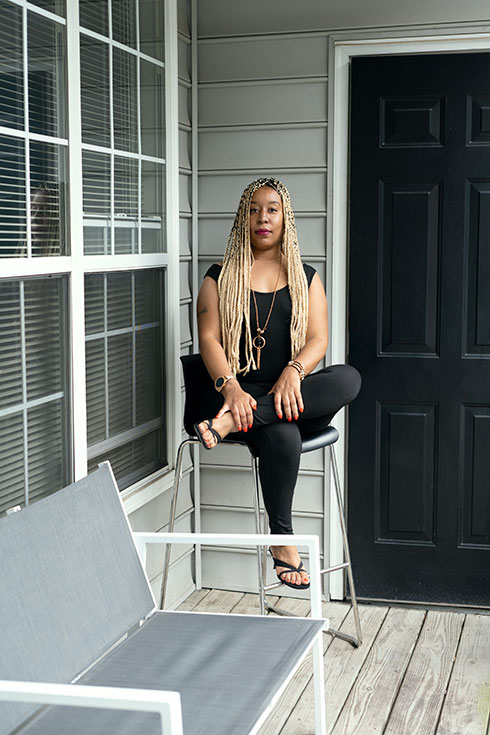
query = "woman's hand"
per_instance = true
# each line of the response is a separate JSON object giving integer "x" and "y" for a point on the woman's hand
{"x": 239, "y": 403}
{"x": 287, "y": 394}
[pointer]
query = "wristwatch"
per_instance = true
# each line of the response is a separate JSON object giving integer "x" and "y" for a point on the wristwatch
{"x": 220, "y": 382}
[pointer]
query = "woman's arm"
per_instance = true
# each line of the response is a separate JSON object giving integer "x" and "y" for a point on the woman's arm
{"x": 235, "y": 399}
{"x": 287, "y": 388}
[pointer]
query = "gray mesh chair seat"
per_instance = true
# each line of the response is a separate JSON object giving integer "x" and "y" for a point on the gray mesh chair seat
{"x": 177, "y": 652}
{"x": 196, "y": 378}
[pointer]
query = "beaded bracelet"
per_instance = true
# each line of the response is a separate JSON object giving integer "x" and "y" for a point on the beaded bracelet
{"x": 299, "y": 367}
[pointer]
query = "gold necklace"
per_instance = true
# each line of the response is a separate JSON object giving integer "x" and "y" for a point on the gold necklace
{"x": 259, "y": 341}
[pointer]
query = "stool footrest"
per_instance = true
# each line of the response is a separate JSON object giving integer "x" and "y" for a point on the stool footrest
{"x": 356, "y": 642}
{"x": 335, "y": 568}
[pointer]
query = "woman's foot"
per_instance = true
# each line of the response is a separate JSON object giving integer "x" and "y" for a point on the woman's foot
{"x": 289, "y": 554}
{"x": 223, "y": 426}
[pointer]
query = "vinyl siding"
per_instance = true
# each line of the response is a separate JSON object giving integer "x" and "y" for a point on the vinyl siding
{"x": 263, "y": 88}
{"x": 262, "y": 111}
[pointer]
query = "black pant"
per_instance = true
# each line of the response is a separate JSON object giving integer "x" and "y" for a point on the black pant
{"x": 278, "y": 441}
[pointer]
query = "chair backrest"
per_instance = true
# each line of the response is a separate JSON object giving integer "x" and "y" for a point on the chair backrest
{"x": 71, "y": 585}
{"x": 196, "y": 379}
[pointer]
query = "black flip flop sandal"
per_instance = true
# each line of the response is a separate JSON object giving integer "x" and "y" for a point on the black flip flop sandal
{"x": 200, "y": 434}
{"x": 289, "y": 568}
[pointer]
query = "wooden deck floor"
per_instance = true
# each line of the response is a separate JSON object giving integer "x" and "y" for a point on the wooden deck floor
{"x": 417, "y": 672}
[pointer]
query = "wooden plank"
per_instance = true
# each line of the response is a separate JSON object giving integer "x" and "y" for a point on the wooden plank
{"x": 466, "y": 710}
{"x": 294, "y": 605}
{"x": 248, "y": 605}
{"x": 342, "y": 665}
{"x": 336, "y": 612}
{"x": 194, "y": 599}
{"x": 219, "y": 601}
{"x": 369, "y": 703}
{"x": 420, "y": 699}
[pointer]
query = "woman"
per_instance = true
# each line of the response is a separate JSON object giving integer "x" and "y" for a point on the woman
{"x": 263, "y": 328}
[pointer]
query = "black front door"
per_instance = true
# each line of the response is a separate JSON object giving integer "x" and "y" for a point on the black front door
{"x": 419, "y": 326}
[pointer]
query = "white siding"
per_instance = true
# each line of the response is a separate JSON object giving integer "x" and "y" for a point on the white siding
{"x": 225, "y": 18}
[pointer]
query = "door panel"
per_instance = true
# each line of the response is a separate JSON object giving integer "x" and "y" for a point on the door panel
{"x": 419, "y": 327}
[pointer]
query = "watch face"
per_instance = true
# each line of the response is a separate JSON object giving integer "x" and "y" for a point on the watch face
{"x": 219, "y": 383}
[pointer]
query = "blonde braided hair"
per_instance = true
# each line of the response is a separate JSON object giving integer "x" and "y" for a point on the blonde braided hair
{"x": 234, "y": 280}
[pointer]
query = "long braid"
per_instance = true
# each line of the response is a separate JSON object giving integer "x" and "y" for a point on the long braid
{"x": 234, "y": 280}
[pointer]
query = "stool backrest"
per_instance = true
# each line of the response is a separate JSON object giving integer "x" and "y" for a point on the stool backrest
{"x": 71, "y": 585}
{"x": 196, "y": 380}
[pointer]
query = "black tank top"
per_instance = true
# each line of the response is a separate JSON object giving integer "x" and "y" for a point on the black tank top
{"x": 277, "y": 351}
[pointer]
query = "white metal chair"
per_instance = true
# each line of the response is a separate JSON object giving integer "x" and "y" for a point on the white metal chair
{"x": 80, "y": 631}
{"x": 195, "y": 376}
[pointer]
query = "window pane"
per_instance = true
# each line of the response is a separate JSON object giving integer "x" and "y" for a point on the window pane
{"x": 94, "y": 304}
{"x": 96, "y": 116}
{"x": 152, "y": 207}
{"x": 96, "y": 203}
{"x": 119, "y": 300}
{"x": 46, "y": 57}
{"x": 125, "y": 101}
{"x": 11, "y": 65}
{"x": 43, "y": 338}
{"x": 125, "y": 371}
{"x": 134, "y": 460}
{"x": 12, "y": 478}
{"x": 11, "y": 345}
{"x": 33, "y": 389}
{"x": 48, "y": 198}
{"x": 94, "y": 14}
{"x": 13, "y": 222}
{"x": 126, "y": 205}
{"x": 152, "y": 29}
{"x": 96, "y": 392}
{"x": 152, "y": 110}
{"x": 54, "y": 6}
{"x": 47, "y": 448}
{"x": 124, "y": 22}
{"x": 120, "y": 393}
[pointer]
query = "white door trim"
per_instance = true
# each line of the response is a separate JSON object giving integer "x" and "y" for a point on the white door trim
{"x": 341, "y": 50}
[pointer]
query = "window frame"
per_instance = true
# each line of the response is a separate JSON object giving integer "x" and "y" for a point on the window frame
{"x": 76, "y": 265}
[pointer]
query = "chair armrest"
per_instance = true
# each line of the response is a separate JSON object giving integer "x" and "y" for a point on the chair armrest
{"x": 142, "y": 539}
{"x": 166, "y": 704}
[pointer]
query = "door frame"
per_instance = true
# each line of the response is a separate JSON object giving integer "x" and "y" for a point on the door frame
{"x": 342, "y": 48}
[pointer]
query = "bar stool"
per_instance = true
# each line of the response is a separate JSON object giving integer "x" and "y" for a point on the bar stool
{"x": 195, "y": 377}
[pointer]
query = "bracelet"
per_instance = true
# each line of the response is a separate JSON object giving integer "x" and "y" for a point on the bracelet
{"x": 299, "y": 367}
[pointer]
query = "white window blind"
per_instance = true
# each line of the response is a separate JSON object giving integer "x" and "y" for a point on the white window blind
{"x": 33, "y": 389}
{"x": 125, "y": 372}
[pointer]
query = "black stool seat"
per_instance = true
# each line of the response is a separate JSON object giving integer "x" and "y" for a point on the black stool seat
{"x": 319, "y": 439}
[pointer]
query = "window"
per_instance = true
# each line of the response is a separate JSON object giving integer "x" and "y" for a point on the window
{"x": 33, "y": 389}
{"x": 124, "y": 364}
{"x": 57, "y": 414}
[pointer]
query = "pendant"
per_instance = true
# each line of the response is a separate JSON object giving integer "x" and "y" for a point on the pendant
{"x": 259, "y": 343}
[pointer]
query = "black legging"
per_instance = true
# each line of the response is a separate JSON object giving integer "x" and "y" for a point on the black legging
{"x": 279, "y": 441}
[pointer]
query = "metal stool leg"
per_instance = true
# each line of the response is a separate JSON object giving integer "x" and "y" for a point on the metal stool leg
{"x": 260, "y": 549}
{"x": 355, "y": 640}
{"x": 173, "y": 509}
{"x": 346, "y": 564}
